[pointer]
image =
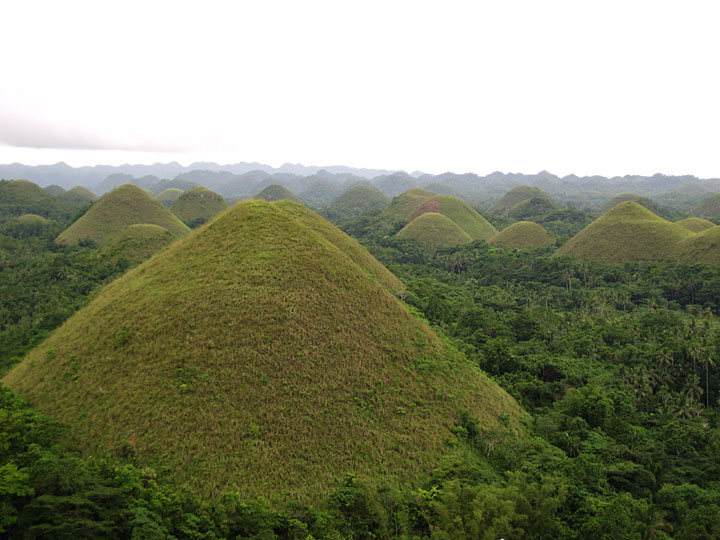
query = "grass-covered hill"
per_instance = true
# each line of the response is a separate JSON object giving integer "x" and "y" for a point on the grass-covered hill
{"x": 321, "y": 193}
{"x": 639, "y": 199}
{"x": 434, "y": 231}
{"x": 532, "y": 208}
{"x": 708, "y": 208}
{"x": 198, "y": 205}
{"x": 628, "y": 232}
{"x": 402, "y": 207}
{"x": 116, "y": 210}
{"x": 255, "y": 355}
{"x": 461, "y": 213}
{"x": 19, "y": 197}
{"x": 138, "y": 242}
{"x": 516, "y": 196}
{"x": 695, "y": 224}
{"x": 523, "y": 234}
{"x": 276, "y": 192}
{"x": 702, "y": 247}
{"x": 32, "y": 219}
{"x": 169, "y": 196}
{"x": 54, "y": 190}
{"x": 359, "y": 200}
{"x": 77, "y": 197}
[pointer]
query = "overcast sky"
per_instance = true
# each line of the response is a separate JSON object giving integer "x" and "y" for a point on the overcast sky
{"x": 606, "y": 87}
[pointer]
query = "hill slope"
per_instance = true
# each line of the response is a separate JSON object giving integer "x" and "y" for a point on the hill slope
{"x": 125, "y": 205}
{"x": 516, "y": 196}
{"x": 523, "y": 234}
{"x": 198, "y": 205}
{"x": 639, "y": 199}
{"x": 138, "y": 242}
{"x": 696, "y": 224}
{"x": 256, "y": 356}
{"x": 402, "y": 207}
{"x": 434, "y": 231}
{"x": 169, "y": 196}
{"x": 77, "y": 197}
{"x": 461, "y": 213}
{"x": 19, "y": 197}
{"x": 708, "y": 208}
{"x": 628, "y": 232}
{"x": 702, "y": 247}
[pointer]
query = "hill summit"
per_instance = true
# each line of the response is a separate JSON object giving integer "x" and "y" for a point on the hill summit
{"x": 276, "y": 192}
{"x": 627, "y": 232}
{"x": 523, "y": 234}
{"x": 123, "y": 206}
{"x": 198, "y": 205}
{"x": 257, "y": 355}
{"x": 460, "y": 213}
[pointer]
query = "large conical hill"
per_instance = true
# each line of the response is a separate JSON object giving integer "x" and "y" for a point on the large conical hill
{"x": 116, "y": 210}
{"x": 434, "y": 231}
{"x": 276, "y": 192}
{"x": 198, "y": 205}
{"x": 523, "y": 234}
{"x": 254, "y": 355}
{"x": 19, "y": 197}
{"x": 402, "y": 207}
{"x": 628, "y": 232}
{"x": 461, "y": 213}
{"x": 359, "y": 200}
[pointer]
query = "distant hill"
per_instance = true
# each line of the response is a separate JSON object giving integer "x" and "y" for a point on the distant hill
{"x": 434, "y": 231}
{"x": 516, "y": 196}
{"x": 32, "y": 219}
{"x": 169, "y": 196}
{"x": 77, "y": 197}
{"x": 321, "y": 193}
{"x": 18, "y": 197}
{"x": 702, "y": 247}
{"x": 54, "y": 190}
{"x": 359, "y": 200}
{"x": 198, "y": 205}
{"x": 532, "y": 208}
{"x": 523, "y": 234}
{"x": 644, "y": 201}
{"x": 695, "y": 224}
{"x": 138, "y": 242}
{"x": 116, "y": 210}
{"x": 628, "y": 232}
{"x": 461, "y": 213}
{"x": 708, "y": 208}
{"x": 276, "y": 192}
{"x": 257, "y": 356}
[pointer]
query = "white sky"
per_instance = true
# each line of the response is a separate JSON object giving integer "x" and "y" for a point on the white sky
{"x": 606, "y": 87}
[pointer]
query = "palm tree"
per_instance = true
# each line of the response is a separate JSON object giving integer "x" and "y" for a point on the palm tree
{"x": 706, "y": 359}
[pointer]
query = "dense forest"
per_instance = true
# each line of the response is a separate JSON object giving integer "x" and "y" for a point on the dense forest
{"x": 615, "y": 364}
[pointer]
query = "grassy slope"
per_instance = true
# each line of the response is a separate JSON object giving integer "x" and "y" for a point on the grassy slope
{"x": 708, "y": 208}
{"x": 54, "y": 190}
{"x": 138, "y": 242}
{"x": 254, "y": 355}
{"x": 344, "y": 243}
{"x": 359, "y": 200}
{"x": 276, "y": 192}
{"x": 696, "y": 224}
{"x": 77, "y": 197}
{"x": 19, "y": 197}
{"x": 402, "y": 207}
{"x": 515, "y": 196}
{"x": 523, "y": 234}
{"x": 628, "y": 232}
{"x": 198, "y": 203}
{"x": 125, "y": 205}
{"x": 169, "y": 196}
{"x": 702, "y": 247}
{"x": 466, "y": 217}
{"x": 434, "y": 231}
{"x": 33, "y": 219}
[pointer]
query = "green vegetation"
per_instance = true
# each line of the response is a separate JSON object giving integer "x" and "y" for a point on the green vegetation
{"x": 695, "y": 224}
{"x": 702, "y": 247}
{"x": 628, "y": 232}
{"x": 169, "y": 196}
{"x": 321, "y": 193}
{"x": 138, "y": 242}
{"x": 402, "y": 207}
{"x": 54, "y": 190}
{"x": 356, "y": 201}
{"x": 708, "y": 208}
{"x": 240, "y": 354}
{"x": 460, "y": 213}
{"x": 523, "y": 234}
{"x": 643, "y": 201}
{"x": 516, "y": 196}
{"x": 434, "y": 231}
{"x": 77, "y": 197}
{"x": 531, "y": 208}
{"x": 33, "y": 219}
{"x": 276, "y": 192}
{"x": 115, "y": 211}
{"x": 198, "y": 205}
{"x": 19, "y": 197}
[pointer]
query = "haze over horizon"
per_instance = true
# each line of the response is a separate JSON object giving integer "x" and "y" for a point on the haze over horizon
{"x": 609, "y": 89}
